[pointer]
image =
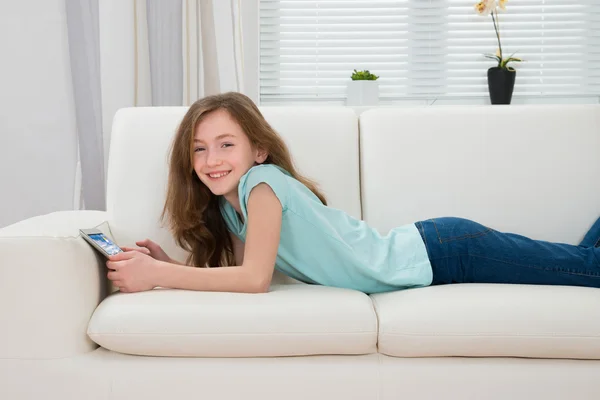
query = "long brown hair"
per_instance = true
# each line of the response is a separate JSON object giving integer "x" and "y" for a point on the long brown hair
{"x": 193, "y": 211}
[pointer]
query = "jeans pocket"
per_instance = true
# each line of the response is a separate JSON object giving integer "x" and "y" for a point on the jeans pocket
{"x": 451, "y": 228}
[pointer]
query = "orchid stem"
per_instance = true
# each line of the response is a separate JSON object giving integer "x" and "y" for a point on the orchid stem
{"x": 498, "y": 36}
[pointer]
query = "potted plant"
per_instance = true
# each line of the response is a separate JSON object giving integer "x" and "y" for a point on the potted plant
{"x": 501, "y": 78}
{"x": 363, "y": 89}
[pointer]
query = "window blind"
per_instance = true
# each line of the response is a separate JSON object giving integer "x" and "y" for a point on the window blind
{"x": 425, "y": 49}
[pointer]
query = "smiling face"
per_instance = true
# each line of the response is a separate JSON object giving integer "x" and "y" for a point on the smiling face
{"x": 223, "y": 154}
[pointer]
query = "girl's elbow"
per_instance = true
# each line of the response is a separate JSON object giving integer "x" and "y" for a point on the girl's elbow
{"x": 257, "y": 279}
{"x": 260, "y": 285}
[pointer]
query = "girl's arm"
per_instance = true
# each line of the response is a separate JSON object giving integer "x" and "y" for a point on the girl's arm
{"x": 254, "y": 274}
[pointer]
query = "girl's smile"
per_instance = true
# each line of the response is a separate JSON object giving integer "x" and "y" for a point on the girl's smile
{"x": 218, "y": 175}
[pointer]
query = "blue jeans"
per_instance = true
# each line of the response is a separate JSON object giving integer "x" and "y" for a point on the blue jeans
{"x": 461, "y": 250}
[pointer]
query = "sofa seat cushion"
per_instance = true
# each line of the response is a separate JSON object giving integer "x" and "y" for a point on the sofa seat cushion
{"x": 484, "y": 320}
{"x": 289, "y": 320}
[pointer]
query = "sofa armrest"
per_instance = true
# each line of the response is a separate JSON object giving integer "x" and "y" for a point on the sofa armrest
{"x": 51, "y": 281}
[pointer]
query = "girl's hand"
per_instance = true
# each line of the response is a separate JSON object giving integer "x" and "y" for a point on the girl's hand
{"x": 133, "y": 271}
{"x": 151, "y": 249}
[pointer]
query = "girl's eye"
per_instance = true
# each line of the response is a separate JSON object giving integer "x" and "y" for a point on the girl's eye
{"x": 198, "y": 149}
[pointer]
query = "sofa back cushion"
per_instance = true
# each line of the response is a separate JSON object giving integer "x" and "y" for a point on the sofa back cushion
{"x": 527, "y": 169}
{"x": 323, "y": 142}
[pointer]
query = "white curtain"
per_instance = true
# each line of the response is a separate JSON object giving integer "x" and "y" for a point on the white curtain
{"x": 164, "y": 49}
{"x": 84, "y": 54}
{"x": 212, "y": 48}
{"x": 151, "y": 53}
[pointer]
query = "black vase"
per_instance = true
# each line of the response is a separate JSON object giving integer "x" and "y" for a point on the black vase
{"x": 501, "y": 83}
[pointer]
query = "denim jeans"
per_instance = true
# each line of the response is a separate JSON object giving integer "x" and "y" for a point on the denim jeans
{"x": 461, "y": 251}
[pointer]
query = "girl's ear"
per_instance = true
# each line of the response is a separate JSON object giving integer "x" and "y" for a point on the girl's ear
{"x": 261, "y": 156}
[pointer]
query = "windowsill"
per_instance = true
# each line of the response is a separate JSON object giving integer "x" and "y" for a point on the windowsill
{"x": 479, "y": 101}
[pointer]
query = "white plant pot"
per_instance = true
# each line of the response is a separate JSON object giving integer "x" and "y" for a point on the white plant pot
{"x": 362, "y": 93}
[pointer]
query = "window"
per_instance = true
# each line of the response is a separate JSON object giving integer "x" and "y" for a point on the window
{"x": 425, "y": 49}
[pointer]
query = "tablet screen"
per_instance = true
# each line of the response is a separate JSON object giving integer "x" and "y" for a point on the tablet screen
{"x": 105, "y": 243}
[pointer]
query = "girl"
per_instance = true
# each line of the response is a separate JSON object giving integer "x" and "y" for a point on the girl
{"x": 236, "y": 200}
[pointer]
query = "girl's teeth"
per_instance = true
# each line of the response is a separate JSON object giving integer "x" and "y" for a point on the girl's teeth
{"x": 218, "y": 175}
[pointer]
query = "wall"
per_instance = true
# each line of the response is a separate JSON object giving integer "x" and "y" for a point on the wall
{"x": 37, "y": 118}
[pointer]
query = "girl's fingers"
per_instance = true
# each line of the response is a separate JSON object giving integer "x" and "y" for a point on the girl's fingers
{"x": 141, "y": 249}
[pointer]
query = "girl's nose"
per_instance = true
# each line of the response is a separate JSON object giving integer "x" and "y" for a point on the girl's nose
{"x": 213, "y": 159}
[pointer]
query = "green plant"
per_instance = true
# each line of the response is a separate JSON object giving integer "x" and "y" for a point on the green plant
{"x": 363, "y": 76}
{"x": 491, "y": 7}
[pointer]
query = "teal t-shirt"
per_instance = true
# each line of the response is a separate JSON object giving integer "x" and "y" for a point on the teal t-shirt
{"x": 324, "y": 245}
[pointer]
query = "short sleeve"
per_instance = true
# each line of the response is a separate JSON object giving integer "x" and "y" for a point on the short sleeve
{"x": 272, "y": 176}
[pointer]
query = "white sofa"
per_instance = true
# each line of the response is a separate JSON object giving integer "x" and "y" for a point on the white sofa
{"x": 533, "y": 170}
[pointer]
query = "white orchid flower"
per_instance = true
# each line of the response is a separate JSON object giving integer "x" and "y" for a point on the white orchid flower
{"x": 485, "y": 7}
